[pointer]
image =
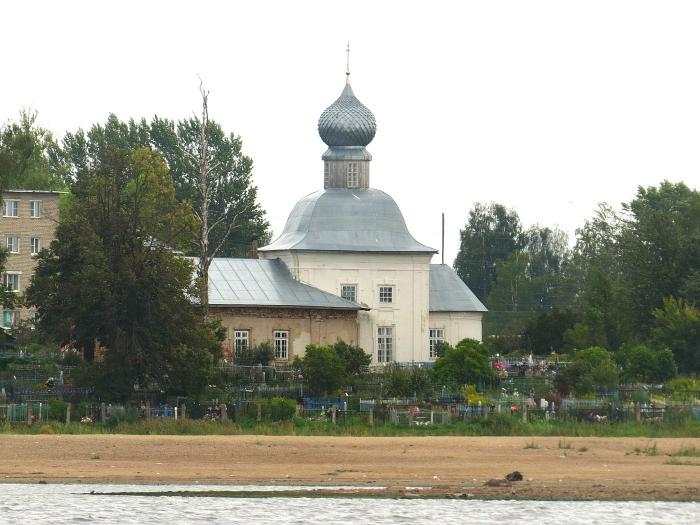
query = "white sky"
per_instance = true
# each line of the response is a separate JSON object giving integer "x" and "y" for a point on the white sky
{"x": 548, "y": 107}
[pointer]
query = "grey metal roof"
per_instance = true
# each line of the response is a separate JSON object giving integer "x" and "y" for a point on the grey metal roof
{"x": 268, "y": 283}
{"x": 448, "y": 293}
{"x": 349, "y": 220}
{"x": 347, "y": 122}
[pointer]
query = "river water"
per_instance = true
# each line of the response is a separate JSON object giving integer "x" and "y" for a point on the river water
{"x": 59, "y": 503}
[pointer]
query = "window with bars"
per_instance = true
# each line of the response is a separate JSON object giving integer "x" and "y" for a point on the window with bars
{"x": 10, "y": 208}
{"x": 11, "y": 281}
{"x": 386, "y": 294}
{"x": 241, "y": 341}
{"x": 35, "y": 245}
{"x": 436, "y": 335}
{"x": 281, "y": 344}
{"x": 353, "y": 175}
{"x": 35, "y": 209}
{"x": 12, "y": 243}
{"x": 385, "y": 343}
{"x": 349, "y": 292}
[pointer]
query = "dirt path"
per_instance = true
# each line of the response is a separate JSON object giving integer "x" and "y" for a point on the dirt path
{"x": 586, "y": 466}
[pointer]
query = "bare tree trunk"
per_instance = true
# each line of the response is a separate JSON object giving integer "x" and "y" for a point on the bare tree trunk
{"x": 203, "y": 212}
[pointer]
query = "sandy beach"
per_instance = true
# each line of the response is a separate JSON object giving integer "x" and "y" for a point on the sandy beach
{"x": 552, "y": 467}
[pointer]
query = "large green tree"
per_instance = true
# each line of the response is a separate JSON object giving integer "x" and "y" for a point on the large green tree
{"x": 111, "y": 278}
{"x": 676, "y": 326}
{"x": 466, "y": 363}
{"x": 491, "y": 234}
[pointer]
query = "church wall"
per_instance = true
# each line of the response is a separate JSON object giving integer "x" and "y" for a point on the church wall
{"x": 305, "y": 326}
{"x": 407, "y": 273}
{"x": 457, "y": 325}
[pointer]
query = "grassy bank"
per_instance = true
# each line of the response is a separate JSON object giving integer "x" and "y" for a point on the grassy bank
{"x": 503, "y": 425}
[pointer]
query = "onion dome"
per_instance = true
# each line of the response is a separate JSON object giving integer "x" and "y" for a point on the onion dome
{"x": 347, "y": 122}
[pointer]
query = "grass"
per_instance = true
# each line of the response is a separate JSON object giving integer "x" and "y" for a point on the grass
{"x": 497, "y": 425}
{"x": 676, "y": 461}
{"x": 649, "y": 450}
{"x": 563, "y": 443}
{"x": 692, "y": 452}
{"x": 531, "y": 444}
{"x": 583, "y": 449}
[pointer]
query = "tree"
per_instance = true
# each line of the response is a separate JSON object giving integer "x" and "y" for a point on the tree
{"x": 110, "y": 279}
{"x": 545, "y": 333}
{"x": 592, "y": 370}
{"x": 466, "y": 363}
{"x": 641, "y": 363}
{"x": 327, "y": 368}
{"x": 492, "y": 233}
{"x": 676, "y": 326}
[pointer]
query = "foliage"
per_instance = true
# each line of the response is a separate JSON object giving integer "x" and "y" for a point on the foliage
{"x": 641, "y": 363}
{"x": 262, "y": 354}
{"x": 545, "y": 333}
{"x": 472, "y": 397}
{"x": 327, "y": 368}
{"x": 466, "y": 363}
{"x": 492, "y": 233}
{"x": 235, "y": 196}
{"x": 406, "y": 382}
{"x": 677, "y": 326}
{"x": 277, "y": 408}
{"x": 111, "y": 280}
{"x": 592, "y": 370}
{"x": 684, "y": 388}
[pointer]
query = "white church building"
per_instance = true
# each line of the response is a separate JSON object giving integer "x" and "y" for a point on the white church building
{"x": 345, "y": 267}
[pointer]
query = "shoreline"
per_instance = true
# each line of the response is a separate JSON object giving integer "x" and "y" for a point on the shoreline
{"x": 553, "y": 468}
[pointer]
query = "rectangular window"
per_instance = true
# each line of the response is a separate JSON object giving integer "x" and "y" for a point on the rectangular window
{"x": 241, "y": 341}
{"x": 11, "y": 281}
{"x": 10, "y": 208}
{"x": 10, "y": 318}
{"x": 36, "y": 245}
{"x": 12, "y": 243}
{"x": 326, "y": 174}
{"x": 349, "y": 292}
{"x": 386, "y": 294}
{"x": 353, "y": 175}
{"x": 385, "y": 343}
{"x": 437, "y": 335}
{"x": 281, "y": 344}
{"x": 35, "y": 209}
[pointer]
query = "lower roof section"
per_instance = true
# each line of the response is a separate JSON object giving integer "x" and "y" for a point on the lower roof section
{"x": 266, "y": 283}
{"x": 448, "y": 293}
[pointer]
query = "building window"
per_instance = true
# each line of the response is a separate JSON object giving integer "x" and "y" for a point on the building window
{"x": 10, "y": 208}
{"x": 241, "y": 341}
{"x": 326, "y": 174}
{"x": 437, "y": 335}
{"x": 11, "y": 281}
{"x": 281, "y": 344}
{"x": 36, "y": 245}
{"x": 386, "y": 294}
{"x": 349, "y": 292}
{"x": 35, "y": 209}
{"x": 10, "y": 318}
{"x": 353, "y": 175}
{"x": 12, "y": 243}
{"x": 385, "y": 343}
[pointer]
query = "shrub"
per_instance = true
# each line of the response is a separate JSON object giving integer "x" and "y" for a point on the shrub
{"x": 278, "y": 408}
{"x": 57, "y": 409}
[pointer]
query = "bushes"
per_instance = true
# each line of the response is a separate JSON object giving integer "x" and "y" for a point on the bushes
{"x": 57, "y": 410}
{"x": 278, "y": 408}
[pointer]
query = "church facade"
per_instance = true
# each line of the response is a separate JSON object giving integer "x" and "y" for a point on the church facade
{"x": 348, "y": 246}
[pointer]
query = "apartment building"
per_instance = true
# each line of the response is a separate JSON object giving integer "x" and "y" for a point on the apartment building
{"x": 28, "y": 223}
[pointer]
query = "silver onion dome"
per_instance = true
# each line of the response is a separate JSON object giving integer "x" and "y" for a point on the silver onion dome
{"x": 347, "y": 122}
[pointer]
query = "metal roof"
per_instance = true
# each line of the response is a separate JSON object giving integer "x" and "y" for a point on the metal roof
{"x": 347, "y": 220}
{"x": 268, "y": 283}
{"x": 448, "y": 293}
{"x": 347, "y": 122}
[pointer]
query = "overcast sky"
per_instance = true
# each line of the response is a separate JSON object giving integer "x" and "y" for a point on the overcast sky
{"x": 547, "y": 107}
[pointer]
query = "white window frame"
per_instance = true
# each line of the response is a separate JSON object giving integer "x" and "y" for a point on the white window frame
{"x": 39, "y": 209}
{"x": 10, "y": 203}
{"x": 281, "y": 339}
{"x": 6, "y": 281}
{"x": 326, "y": 174}
{"x": 35, "y": 245}
{"x": 435, "y": 336}
{"x": 13, "y": 318}
{"x": 353, "y": 175}
{"x": 12, "y": 243}
{"x": 385, "y": 344}
{"x": 347, "y": 290}
{"x": 241, "y": 341}
{"x": 386, "y": 294}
